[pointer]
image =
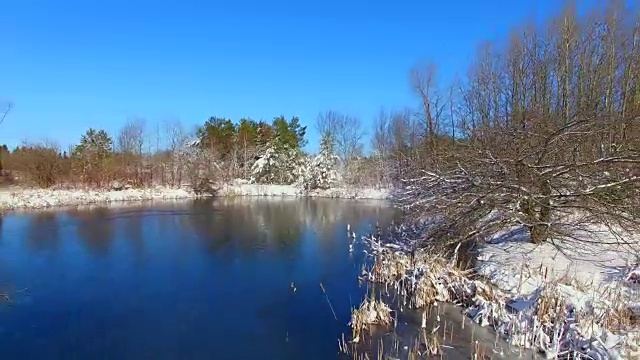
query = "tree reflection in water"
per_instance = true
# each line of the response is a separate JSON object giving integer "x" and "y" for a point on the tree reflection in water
{"x": 95, "y": 228}
{"x": 184, "y": 274}
{"x": 44, "y": 231}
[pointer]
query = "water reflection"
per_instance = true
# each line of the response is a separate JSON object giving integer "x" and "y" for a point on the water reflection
{"x": 132, "y": 232}
{"x": 183, "y": 279}
{"x": 44, "y": 231}
{"x": 95, "y": 229}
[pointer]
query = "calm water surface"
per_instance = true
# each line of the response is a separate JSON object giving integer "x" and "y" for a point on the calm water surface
{"x": 199, "y": 279}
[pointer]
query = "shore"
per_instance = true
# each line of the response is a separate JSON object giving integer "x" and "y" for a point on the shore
{"x": 594, "y": 278}
{"x": 240, "y": 189}
{"x": 34, "y": 199}
{"x": 569, "y": 298}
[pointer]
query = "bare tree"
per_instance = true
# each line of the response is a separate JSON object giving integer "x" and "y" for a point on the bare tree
{"x": 328, "y": 122}
{"x": 346, "y": 131}
{"x": 382, "y": 146}
{"x": 547, "y": 138}
{"x": 176, "y": 140}
{"x": 131, "y": 137}
{"x": 423, "y": 82}
{"x": 130, "y": 143}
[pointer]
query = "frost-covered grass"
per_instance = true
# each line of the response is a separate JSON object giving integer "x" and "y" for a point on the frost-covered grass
{"x": 371, "y": 312}
{"x": 549, "y": 297}
{"x": 32, "y": 199}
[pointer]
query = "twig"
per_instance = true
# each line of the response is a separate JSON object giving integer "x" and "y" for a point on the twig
{"x": 329, "y": 302}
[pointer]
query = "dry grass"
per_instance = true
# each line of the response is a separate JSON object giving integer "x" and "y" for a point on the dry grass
{"x": 551, "y": 307}
{"x": 564, "y": 308}
{"x": 371, "y": 312}
{"x": 428, "y": 346}
{"x": 422, "y": 279}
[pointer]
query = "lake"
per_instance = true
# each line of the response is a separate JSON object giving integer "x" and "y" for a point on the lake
{"x": 187, "y": 279}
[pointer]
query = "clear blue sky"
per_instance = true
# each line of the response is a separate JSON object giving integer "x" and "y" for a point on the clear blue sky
{"x": 73, "y": 64}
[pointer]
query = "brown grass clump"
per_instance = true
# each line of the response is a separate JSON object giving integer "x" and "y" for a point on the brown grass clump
{"x": 429, "y": 346}
{"x": 421, "y": 279}
{"x": 618, "y": 315}
{"x": 371, "y": 312}
{"x": 551, "y": 307}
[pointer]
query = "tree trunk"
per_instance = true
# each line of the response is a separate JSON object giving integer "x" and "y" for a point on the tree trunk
{"x": 539, "y": 229}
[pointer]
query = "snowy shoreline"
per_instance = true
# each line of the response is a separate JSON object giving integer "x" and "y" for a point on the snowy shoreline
{"x": 534, "y": 296}
{"x": 239, "y": 189}
{"x": 36, "y": 199}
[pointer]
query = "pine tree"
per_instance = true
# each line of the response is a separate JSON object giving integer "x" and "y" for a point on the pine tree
{"x": 265, "y": 169}
{"x": 91, "y": 155}
{"x": 322, "y": 171}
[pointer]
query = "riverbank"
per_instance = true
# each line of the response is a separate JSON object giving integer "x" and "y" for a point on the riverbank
{"x": 243, "y": 189}
{"x": 593, "y": 279}
{"x": 34, "y": 199}
{"x": 569, "y": 298}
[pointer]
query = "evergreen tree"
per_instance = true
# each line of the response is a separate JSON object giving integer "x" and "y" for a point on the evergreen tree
{"x": 91, "y": 155}
{"x": 217, "y": 135}
{"x": 322, "y": 171}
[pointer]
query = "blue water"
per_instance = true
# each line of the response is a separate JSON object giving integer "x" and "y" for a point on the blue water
{"x": 192, "y": 280}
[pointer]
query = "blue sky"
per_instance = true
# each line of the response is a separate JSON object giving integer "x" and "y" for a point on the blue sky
{"x": 70, "y": 65}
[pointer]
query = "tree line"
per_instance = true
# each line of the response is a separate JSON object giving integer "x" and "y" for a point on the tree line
{"x": 218, "y": 150}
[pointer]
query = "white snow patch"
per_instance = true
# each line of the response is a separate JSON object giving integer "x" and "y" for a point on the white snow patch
{"x": 517, "y": 266}
{"x": 32, "y": 199}
{"x": 242, "y": 189}
{"x": 596, "y": 273}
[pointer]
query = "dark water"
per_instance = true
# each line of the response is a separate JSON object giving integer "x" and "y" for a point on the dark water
{"x": 190, "y": 280}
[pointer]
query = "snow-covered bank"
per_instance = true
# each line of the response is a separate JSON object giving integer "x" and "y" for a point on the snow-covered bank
{"x": 560, "y": 302}
{"x": 593, "y": 274}
{"x": 241, "y": 189}
{"x": 516, "y": 266}
{"x": 33, "y": 199}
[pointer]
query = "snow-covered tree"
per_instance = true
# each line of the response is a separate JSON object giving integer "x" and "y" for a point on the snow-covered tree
{"x": 279, "y": 164}
{"x": 322, "y": 171}
{"x": 265, "y": 168}
{"x": 197, "y": 163}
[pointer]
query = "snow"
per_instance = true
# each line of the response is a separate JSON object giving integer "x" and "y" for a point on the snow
{"x": 321, "y": 171}
{"x": 517, "y": 266}
{"x": 593, "y": 273}
{"x": 33, "y": 199}
{"x": 243, "y": 189}
{"x": 561, "y": 297}
{"x": 279, "y": 164}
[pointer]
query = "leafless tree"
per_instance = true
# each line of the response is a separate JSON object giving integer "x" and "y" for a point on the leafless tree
{"x": 328, "y": 122}
{"x": 130, "y": 143}
{"x": 131, "y": 137}
{"x": 548, "y": 137}
{"x": 382, "y": 147}
{"x": 423, "y": 82}
{"x": 346, "y": 131}
{"x": 176, "y": 140}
